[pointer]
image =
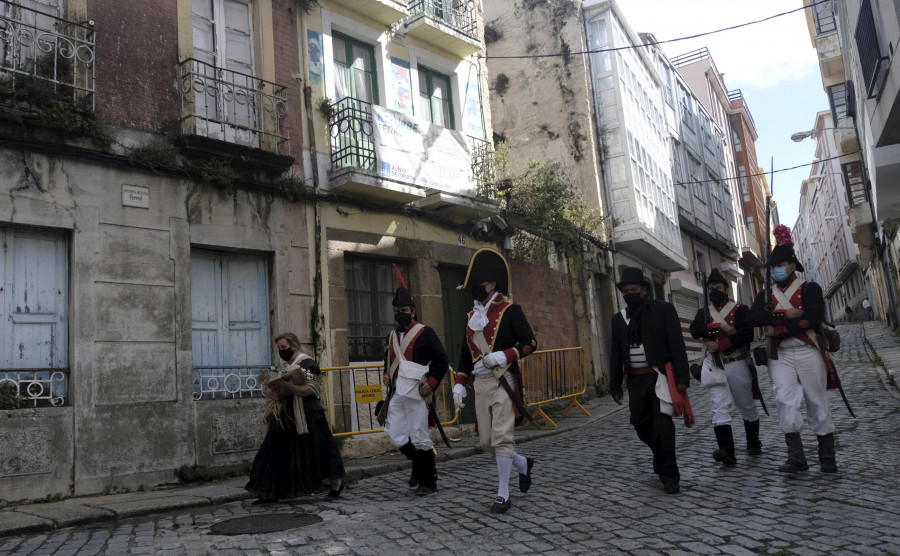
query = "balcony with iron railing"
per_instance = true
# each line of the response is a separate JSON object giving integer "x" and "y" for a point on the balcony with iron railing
{"x": 357, "y": 167}
{"x": 448, "y": 24}
{"x": 46, "y": 62}
{"x": 234, "y": 108}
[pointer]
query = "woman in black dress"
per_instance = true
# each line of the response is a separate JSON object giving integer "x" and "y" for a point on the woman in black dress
{"x": 299, "y": 451}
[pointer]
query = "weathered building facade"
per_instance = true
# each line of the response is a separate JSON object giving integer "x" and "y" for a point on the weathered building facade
{"x": 258, "y": 174}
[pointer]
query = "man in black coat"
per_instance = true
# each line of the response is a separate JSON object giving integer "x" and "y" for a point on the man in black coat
{"x": 645, "y": 336}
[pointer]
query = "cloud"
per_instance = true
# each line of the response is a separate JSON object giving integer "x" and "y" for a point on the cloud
{"x": 764, "y": 54}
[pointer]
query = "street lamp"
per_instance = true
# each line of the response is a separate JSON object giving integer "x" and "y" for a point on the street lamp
{"x": 801, "y": 135}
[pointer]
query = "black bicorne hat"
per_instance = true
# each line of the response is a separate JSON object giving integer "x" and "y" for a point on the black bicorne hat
{"x": 488, "y": 265}
{"x": 402, "y": 297}
{"x": 716, "y": 277}
{"x": 632, "y": 275}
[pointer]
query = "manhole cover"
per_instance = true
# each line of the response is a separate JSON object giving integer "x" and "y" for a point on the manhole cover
{"x": 268, "y": 523}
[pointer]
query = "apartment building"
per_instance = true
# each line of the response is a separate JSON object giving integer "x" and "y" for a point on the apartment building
{"x": 728, "y": 109}
{"x": 822, "y": 232}
{"x": 703, "y": 173}
{"x": 853, "y": 42}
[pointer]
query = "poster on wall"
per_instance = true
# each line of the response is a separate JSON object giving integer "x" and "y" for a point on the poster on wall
{"x": 316, "y": 63}
{"x": 419, "y": 152}
{"x": 473, "y": 113}
{"x": 402, "y": 86}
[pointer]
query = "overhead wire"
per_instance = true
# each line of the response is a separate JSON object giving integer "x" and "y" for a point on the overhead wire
{"x": 655, "y": 43}
{"x": 767, "y": 173}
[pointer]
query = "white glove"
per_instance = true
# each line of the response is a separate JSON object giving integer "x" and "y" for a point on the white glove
{"x": 459, "y": 393}
{"x": 495, "y": 359}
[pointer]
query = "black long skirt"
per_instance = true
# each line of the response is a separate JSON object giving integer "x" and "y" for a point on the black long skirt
{"x": 288, "y": 464}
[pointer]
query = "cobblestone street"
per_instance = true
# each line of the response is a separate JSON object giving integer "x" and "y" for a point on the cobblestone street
{"x": 594, "y": 493}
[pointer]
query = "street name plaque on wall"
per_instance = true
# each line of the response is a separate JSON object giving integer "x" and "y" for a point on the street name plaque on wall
{"x": 135, "y": 196}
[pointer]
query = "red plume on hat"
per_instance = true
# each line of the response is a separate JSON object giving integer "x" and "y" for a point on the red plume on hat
{"x": 400, "y": 281}
{"x": 782, "y": 235}
{"x": 784, "y": 251}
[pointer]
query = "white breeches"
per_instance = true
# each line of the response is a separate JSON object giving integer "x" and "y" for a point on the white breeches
{"x": 738, "y": 391}
{"x": 799, "y": 375}
{"x": 407, "y": 420}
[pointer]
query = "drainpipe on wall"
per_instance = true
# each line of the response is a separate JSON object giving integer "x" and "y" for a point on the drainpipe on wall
{"x": 317, "y": 317}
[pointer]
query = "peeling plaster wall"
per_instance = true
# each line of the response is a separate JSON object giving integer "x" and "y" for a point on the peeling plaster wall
{"x": 545, "y": 108}
{"x": 130, "y": 418}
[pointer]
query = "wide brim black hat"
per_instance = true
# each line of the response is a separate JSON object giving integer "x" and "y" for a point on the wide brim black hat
{"x": 402, "y": 298}
{"x": 716, "y": 277}
{"x": 488, "y": 265}
{"x": 782, "y": 253}
{"x": 632, "y": 275}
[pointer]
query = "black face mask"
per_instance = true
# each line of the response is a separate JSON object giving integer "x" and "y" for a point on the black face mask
{"x": 718, "y": 297}
{"x": 286, "y": 354}
{"x": 633, "y": 300}
{"x": 479, "y": 292}
{"x": 402, "y": 319}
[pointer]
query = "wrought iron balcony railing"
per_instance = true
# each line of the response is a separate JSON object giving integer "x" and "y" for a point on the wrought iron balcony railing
{"x": 352, "y": 134}
{"x": 483, "y": 168}
{"x": 353, "y": 145}
{"x": 457, "y": 14}
{"x": 45, "y": 59}
{"x": 231, "y": 106}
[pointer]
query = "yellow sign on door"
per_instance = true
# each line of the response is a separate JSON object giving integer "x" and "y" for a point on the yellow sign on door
{"x": 368, "y": 393}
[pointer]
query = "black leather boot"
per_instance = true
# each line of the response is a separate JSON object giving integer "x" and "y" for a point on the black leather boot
{"x": 796, "y": 458}
{"x": 827, "y": 461}
{"x": 725, "y": 453}
{"x": 409, "y": 451}
{"x": 427, "y": 472}
{"x": 751, "y": 429}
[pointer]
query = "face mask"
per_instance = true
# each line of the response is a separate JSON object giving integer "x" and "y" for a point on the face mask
{"x": 779, "y": 274}
{"x": 633, "y": 300}
{"x": 286, "y": 354}
{"x": 479, "y": 292}
{"x": 717, "y": 297}
{"x": 402, "y": 319}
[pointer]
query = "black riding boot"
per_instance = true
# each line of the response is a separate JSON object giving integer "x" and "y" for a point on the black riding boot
{"x": 751, "y": 429}
{"x": 796, "y": 458}
{"x": 827, "y": 461}
{"x": 427, "y": 472}
{"x": 725, "y": 453}
{"x": 409, "y": 451}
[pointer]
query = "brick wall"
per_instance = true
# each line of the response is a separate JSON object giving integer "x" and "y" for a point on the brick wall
{"x": 287, "y": 63}
{"x": 136, "y": 57}
{"x": 546, "y": 297}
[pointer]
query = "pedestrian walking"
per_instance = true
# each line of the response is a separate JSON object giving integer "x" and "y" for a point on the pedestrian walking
{"x": 497, "y": 336}
{"x": 728, "y": 373}
{"x": 799, "y": 373}
{"x": 648, "y": 349}
{"x": 848, "y": 311}
{"x": 867, "y": 305}
{"x": 415, "y": 364}
{"x": 298, "y": 452}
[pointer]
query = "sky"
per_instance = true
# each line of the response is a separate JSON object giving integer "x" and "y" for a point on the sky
{"x": 773, "y": 63}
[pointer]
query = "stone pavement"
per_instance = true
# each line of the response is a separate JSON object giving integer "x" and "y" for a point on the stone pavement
{"x": 31, "y": 518}
{"x": 594, "y": 492}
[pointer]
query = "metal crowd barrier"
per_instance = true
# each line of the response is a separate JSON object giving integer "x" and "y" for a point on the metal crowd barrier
{"x": 351, "y": 393}
{"x": 552, "y": 375}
